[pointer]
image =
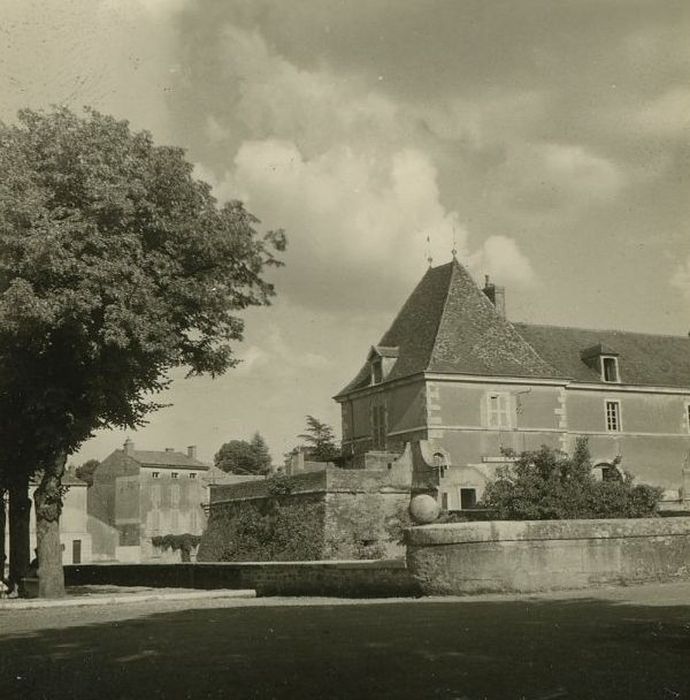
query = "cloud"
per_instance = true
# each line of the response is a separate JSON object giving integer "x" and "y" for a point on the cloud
{"x": 337, "y": 164}
{"x": 501, "y": 258}
{"x": 666, "y": 115}
{"x": 275, "y": 358}
{"x": 681, "y": 278}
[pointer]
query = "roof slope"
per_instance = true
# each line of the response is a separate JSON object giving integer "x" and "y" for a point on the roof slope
{"x": 650, "y": 360}
{"x": 473, "y": 338}
{"x": 449, "y": 325}
{"x": 155, "y": 458}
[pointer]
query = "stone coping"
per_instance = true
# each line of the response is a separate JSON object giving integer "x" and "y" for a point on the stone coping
{"x": 115, "y": 599}
{"x": 530, "y": 530}
{"x": 325, "y": 563}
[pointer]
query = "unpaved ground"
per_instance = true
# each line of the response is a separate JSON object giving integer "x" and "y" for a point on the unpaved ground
{"x": 610, "y": 643}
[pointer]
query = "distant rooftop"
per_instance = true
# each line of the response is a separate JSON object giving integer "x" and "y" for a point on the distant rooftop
{"x": 165, "y": 458}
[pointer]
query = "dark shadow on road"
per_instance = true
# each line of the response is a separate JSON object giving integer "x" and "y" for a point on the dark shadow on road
{"x": 581, "y": 648}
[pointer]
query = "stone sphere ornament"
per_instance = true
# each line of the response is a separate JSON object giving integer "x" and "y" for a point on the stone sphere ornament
{"x": 424, "y": 509}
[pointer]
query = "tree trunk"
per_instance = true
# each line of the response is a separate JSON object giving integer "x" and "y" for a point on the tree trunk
{"x": 3, "y": 553}
{"x": 20, "y": 537}
{"x": 48, "y": 500}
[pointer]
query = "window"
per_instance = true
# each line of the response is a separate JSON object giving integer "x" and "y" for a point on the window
{"x": 192, "y": 475}
{"x": 156, "y": 495}
{"x": 440, "y": 463}
{"x": 378, "y": 426}
{"x": 687, "y": 415}
{"x": 174, "y": 520}
{"x": 498, "y": 411}
{"x": 376, "y": 371}
{"x": 468, "y": 498}
{"x": 609, "y": 369}
{"x": 610, "y": 473}
{"x": 444, "y": 501}
{"x": 193, "y": 521}
{"x": 613, "y": 416}
{"x": 155, "y": 475}
{"x": 174, "y": 475}
{"x": 175, "y": 496}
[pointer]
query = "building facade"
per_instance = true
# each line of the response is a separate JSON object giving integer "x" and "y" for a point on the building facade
{"x": 137, "y": 495}
{"x": 455, "y": 375}
{"x": 75, "y": 537}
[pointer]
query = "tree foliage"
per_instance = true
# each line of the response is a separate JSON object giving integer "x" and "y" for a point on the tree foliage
{"x": 116, "y": 266}
{"x": 550, "y": 485}
{"x": 244, "y": 457}
{"x": 320, "y": 441}
{"x": 185, "y": 544}
{"x": 85, "y": 471}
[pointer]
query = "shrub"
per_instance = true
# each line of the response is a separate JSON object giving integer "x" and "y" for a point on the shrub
{"x": 548, "y": 484}
{"x": 271, "y": 529}
{"x": 184, "y": 543}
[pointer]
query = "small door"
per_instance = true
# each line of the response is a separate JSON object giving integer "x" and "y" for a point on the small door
{"x": 76, "y": 551}
{"x": 468, "y": 498}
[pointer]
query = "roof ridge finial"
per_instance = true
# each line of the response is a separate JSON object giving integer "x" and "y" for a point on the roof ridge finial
{"x": 429, "y": 259}
{"x": 454, "y": 251}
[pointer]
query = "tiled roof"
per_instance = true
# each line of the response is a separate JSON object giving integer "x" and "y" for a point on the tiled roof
{"x": 449, "y": 325}
{"x": 643, "y": 359}
{"x": 152, "y": 458}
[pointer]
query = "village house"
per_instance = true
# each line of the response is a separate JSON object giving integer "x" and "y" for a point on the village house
{"x": 456, "y": 377}
{"x": 75, "y": 537}
{"x": 137, "y": 495}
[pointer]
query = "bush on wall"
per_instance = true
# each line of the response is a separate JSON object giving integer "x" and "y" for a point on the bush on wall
{"x": 182, "y": 543}
{"x": 548, "y": 484}
{"x": 268, "y": 529}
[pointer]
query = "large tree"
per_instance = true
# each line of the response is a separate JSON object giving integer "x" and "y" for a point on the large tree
{"x": 244, "y": 457}
{"x": 116, "y": 266}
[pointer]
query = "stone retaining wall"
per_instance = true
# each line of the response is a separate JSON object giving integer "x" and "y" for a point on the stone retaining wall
{"x": 352, "y": 579}
{"x": 530, "y": 556}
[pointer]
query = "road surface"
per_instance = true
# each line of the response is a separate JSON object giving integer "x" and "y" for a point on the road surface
{"x": 613, "y": 643}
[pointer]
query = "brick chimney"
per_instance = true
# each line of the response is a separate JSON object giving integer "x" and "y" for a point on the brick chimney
{"x": 191, "y": 452}
{"x": 497, "y": 296}
{"x": 129, "y": 446}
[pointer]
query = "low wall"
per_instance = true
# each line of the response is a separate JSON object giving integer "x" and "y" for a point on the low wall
{"x": 530, "y": 556}
{"x": 351, "y": 579}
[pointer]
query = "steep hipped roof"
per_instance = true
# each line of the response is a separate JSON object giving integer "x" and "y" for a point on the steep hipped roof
{"x": 152, "y": 458}
{"x": 649, "y": 360}
{"x": 449, "y": 325}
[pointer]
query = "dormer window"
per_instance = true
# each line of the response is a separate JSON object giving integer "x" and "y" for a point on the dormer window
{"x": 604, "y": 360}
{"x": 376, "y": 371}
{"x": 609, "y": 369}
{"x": 381, "y": 360}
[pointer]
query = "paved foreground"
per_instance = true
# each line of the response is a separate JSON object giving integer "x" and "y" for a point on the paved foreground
{"x": 614, "y": 643}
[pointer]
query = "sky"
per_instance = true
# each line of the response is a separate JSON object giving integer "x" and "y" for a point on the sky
{"x": 548, "y": 143}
